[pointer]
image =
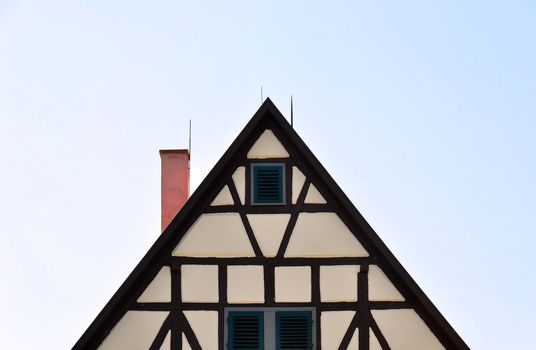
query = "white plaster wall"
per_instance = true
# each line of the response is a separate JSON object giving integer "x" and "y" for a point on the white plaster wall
{"x": 269, "y": 230}
{"x": 323, "y": 235}
{"x": 354, "y": 342}
{"x": 292, "y": 284}
{"x": 267, "y": 146}
{"x": 205, "y": 327}
{"x": 245, "y": 284}
{"x": 135, "y": 331}
{"x": 380, "y": 286}
{"x": 313, "y": 196}
{"x": 166, "y": 345}
{"x": 215, "y": 235}
{"x": 239, "y": 179}
{"x": 159, "y": 290}
{"x": 199, "y": 283}
{"x": 405, "y": 330}
{"x": 338, "y": 283}
{"x": 333, "y": 327}
{"x": 185, "y": 344}
{"x": 374, "y": 344}
{"x": 298, "y": 179}
{"x": 223, "y": 198}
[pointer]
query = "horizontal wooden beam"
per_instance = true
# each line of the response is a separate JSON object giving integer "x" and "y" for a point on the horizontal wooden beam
{"x": 336, "y": 306}
{"x": 176, "y": 260}
{"x": 275, "y": 209}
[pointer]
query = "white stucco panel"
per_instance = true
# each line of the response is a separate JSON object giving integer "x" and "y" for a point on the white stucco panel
{"x": 333, "y": 327}
{"x": 205, "y": 327}
{"x": 323, "y": 235}
{"x": 223, "y": 198}
{"x": 136, "y": 330}
{"x": 245, "y": 284}
{"x": 380, "y": 286}
{"x": 292, "y": 284}
{"x": 267, "y": 146}
{"x": 405, "y": 330}
{"x": 269, "y": 230}
{"x": 338, "y": 283}
{"x": 374, "y": 344}
{"x": 185, "y": 344}
{"x": 215, "y": 235}
{"x": 199, "y": 283}
{"x": 239, "y": 179}
{"x": 166, "y": 345}
{"x": 159, "y": 290}
{"x": 314, "y": 197}
{"x": 354, "y": 342}
{"x": 298, "y": 179}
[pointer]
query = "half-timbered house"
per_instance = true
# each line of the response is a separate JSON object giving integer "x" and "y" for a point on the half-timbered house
{"x": 269, "y": 253}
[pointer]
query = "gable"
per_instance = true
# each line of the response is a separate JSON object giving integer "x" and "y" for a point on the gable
{"x": 223, "y": 251}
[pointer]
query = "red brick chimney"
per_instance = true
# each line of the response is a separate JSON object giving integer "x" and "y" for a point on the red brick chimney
{"x": 175, "y": 182}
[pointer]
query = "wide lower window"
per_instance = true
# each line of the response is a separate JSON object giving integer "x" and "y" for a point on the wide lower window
{"x": 270, "y": 329}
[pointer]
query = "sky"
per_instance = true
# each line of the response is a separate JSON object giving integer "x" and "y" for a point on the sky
{"x": 424, "y": 112}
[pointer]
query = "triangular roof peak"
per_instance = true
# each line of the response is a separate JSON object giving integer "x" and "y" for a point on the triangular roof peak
{"x": 325, "y": 188}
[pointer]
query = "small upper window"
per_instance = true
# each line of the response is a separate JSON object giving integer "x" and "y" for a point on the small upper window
{"x": 267, "y": 184}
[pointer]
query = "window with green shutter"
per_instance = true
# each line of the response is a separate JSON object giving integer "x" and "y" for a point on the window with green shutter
{"x": 267, "y": 184}
{"x": 270, "y": 329}
{"x": 246, "y": 330}
{"x": 294, "y": 330}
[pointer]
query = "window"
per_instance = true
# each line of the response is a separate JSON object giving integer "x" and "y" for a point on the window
{"x": 294, "y": 330}
{"x": 267, "y": 184}
{"x": 246, "y": 330}
{"x": 270, "y": 329}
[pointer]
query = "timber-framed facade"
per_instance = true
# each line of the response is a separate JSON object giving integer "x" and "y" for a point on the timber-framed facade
{"x": 313, "y": 252}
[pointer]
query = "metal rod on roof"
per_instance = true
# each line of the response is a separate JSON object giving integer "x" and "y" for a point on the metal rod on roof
{"x": 262, "y": 99}
{"x": 291, "y": 112}
{"x": 190, "y": 138}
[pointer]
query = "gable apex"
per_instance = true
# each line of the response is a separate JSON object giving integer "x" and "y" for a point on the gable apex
{"x": 267, "y": 146}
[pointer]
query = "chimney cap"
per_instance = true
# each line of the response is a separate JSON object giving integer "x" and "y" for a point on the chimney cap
{"x": 173, "y": 151}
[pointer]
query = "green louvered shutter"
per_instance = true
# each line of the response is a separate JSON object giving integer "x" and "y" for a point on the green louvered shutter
{"x": 268, "y": 184}
{"x": 294, "y": 330}
{"x": 246, "y": 331}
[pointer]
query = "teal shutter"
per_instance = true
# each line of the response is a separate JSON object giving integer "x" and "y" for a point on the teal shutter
{"x": 268, "y": 184}
{"x": 246, "y": 330}
{"x": 294, "y": 330}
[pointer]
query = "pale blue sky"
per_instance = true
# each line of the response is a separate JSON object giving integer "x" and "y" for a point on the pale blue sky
{"x": 424, "y": 112}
